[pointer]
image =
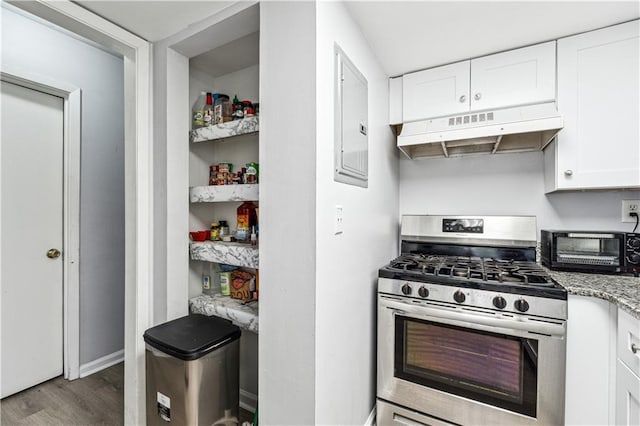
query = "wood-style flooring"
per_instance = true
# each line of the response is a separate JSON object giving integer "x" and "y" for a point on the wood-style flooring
{"x": 94, "y": 400}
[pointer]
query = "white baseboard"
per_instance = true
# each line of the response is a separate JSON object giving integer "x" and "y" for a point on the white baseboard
{"x": 248, "y": 401}
{"x": 371, "y": 420}
{"x": 101, "y": 363}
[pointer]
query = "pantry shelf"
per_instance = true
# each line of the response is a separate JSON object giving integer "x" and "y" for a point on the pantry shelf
{"x": 236, "y": 254}
{"x": 244, "y": 315}
{"x": 222, "y": 193}
{"x": 229, "y": 129}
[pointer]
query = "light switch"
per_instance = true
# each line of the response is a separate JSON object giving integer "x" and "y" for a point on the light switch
{"x": 338, "y": 221}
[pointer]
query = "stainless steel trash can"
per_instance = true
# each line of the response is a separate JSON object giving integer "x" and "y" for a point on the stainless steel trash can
{"x": 192, "y": 371}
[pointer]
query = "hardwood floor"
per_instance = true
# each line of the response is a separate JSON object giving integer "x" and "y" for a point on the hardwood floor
{"x": 94, "y": 400}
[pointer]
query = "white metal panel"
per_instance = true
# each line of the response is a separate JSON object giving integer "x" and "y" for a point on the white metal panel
{"x": 32, "y": 215}
{"x": 436, "y": 92}
{"x": 599, "y": 97}
{"x": 351, "y": 143}
{"x": 517, "y": 77}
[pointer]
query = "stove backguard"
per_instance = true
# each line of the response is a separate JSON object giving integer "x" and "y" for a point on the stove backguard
{"x": 504, "y": 253}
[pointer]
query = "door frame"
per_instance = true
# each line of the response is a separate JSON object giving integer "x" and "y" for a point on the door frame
{"x": 138, "y": 154}
{"x": 71, "y": 96}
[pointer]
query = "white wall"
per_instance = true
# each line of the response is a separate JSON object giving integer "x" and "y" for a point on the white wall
{"x": 505, "y": 184}
{"x": 40, "y": 49}
{"x": 287, "y": 370}
{"x": 347, "y": 264}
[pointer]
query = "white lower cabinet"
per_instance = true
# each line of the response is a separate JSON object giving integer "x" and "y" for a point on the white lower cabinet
{"x": 628, "y": 370}
{"x": 627, "y": 396}
{"x": 591, "y": 355}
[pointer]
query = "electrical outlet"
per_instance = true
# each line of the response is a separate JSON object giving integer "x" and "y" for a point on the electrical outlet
{"x": 337, "y": 228}
{"x": 629, "y": 206}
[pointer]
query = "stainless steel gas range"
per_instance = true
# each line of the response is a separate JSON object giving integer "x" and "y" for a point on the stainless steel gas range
{"x": 471, "y": 330}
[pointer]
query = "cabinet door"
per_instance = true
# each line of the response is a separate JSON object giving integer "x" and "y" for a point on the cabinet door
{"x": 517, "y": 77}
{"x": 627, "y": 396}
{"x": 629, "y": 341}
{"x": 436, "y": 92}
{"x": 590, "y": 359}
{"x": 599, "y": 97}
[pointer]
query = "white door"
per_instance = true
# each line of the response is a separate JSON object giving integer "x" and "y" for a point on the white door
{"x": 517, "y": 77}
{"x": 31, "y": 149}
{"x": 436, "y": 92}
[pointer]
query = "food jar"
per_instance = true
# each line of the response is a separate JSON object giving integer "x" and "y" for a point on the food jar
{"x": 225, "y": 283}
{"x": 215, "y": 231}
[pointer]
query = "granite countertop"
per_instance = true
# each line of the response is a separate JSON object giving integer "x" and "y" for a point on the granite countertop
{"x": 244, "y": 315}
{"x": 624, "y": 291}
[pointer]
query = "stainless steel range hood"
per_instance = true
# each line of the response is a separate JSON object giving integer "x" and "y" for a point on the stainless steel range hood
{"x": 516, "y": 129}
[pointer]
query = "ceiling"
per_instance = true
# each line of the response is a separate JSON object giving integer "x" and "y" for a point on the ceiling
{"x": 406, "y": 35}
{"x": 154, "y": 20}
{"x": 414, "y": 35}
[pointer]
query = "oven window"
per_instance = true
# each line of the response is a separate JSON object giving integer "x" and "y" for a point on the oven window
{"x": 492, "y": 368}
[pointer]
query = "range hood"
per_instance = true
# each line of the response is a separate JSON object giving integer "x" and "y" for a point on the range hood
{"x": 515, "y": 129}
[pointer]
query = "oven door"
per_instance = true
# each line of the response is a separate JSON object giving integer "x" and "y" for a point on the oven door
{"x": 471, "y": 366}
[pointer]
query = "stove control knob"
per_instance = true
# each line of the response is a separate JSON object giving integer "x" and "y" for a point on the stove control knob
{"x": 521, "y": 305}
{"x": 499, "y": 302}
{"x": 459, "y": 296}
{"x": 634, "y": 243}
{"x": 423, "y": 291}
{"x": 634, "y": 259}
{"x": 406, "y": 289}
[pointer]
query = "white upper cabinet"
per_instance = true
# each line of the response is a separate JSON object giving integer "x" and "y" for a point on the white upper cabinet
{"x": 395, "y": 100}
{"x": 517, "y": 77}
{"x": 436, "y": 92}
{"x": 599, "y": 98}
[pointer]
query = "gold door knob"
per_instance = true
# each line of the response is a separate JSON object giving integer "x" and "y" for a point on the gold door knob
{"x": 53, "y": 253}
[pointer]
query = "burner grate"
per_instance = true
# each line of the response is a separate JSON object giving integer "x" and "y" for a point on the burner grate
{"x": 474, "y": 268}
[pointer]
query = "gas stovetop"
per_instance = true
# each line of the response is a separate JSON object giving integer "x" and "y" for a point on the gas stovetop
{"x": 481, "y": 263}
{"x": 484, "y": 269}
{"x": 492, "y": 274}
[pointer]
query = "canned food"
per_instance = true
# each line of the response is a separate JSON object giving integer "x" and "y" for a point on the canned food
{"x": 213, "y": 174}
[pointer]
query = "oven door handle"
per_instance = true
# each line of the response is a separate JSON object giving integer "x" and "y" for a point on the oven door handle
{"x": 542, "y": 326}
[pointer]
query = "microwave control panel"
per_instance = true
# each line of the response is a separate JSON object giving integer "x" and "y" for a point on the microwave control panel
{"x": 632, "y": 253}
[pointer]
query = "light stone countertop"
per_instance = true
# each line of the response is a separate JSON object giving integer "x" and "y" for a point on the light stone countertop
{"x": 624, "y": 291}
{"x": 244, "y": 315}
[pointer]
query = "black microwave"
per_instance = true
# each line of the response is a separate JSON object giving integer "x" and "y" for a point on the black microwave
{"x": 590, "y": 251}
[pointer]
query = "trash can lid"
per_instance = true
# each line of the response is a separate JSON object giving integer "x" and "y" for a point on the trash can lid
{"x": 192, "y": 337}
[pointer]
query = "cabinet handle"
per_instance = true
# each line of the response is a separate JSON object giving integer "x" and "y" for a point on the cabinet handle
{"x": 634, "y": 348}
{"x": 568, "y": 172}
{"x": 477, "y": 96}
{"x": 463, "y": 98}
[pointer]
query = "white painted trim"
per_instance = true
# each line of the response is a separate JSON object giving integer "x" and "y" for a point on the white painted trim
{"x": 371, "y": 420}
{"x": 73, "y": 117}
{"x": 101, "y": 363}
{"x": 248, "y": 400}
{"x": 71, "y": 205}
{"x": 139, "y": 219}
